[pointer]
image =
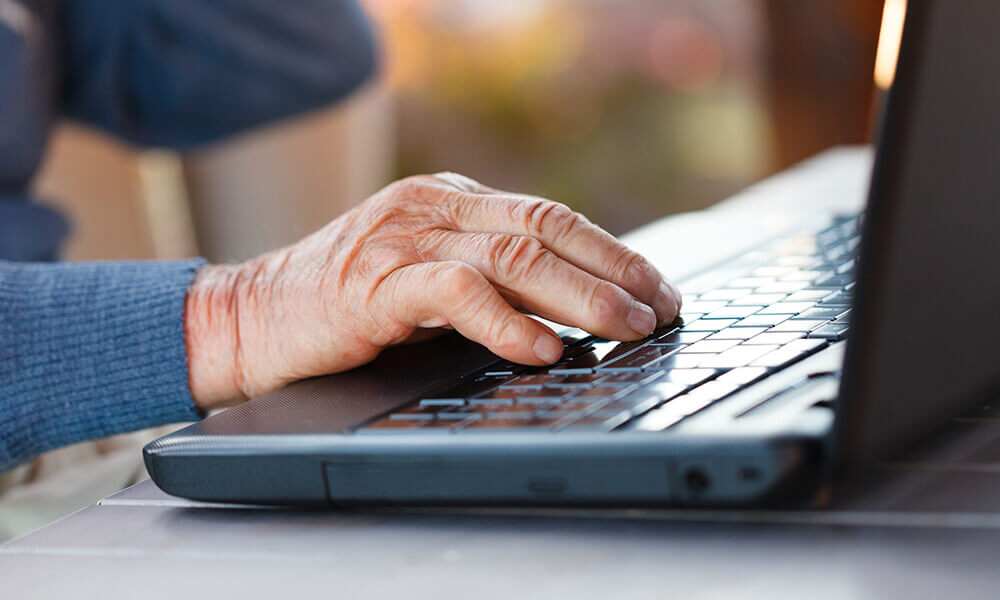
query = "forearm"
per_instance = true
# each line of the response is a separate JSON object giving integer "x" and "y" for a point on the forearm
{"x": 89, "y": 350}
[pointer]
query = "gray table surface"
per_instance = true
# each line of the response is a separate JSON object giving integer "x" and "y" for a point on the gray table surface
{"x": 921, "y": 528}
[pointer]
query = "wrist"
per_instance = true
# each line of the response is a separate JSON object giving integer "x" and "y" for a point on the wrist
{"x": 211, "y": 332}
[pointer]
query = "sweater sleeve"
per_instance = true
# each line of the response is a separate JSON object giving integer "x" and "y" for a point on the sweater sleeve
{"x": 89, "y": 350}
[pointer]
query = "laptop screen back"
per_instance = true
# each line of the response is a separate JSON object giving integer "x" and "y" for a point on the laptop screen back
{"x": 926, "y": 337}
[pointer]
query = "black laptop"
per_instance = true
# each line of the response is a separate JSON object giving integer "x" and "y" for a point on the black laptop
{"x": 823, "y": 350}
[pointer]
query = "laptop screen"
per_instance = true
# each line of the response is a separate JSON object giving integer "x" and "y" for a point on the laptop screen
{"x": 928, "y": 296}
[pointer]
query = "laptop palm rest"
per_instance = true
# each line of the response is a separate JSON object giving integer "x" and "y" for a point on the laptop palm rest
{"x": 337, "y": 402}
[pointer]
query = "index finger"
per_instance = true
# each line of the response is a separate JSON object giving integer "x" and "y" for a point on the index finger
{"x": 568, "y": 234}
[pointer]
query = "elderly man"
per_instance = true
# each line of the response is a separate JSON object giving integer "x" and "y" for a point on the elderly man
{"x": 90, "y": 350}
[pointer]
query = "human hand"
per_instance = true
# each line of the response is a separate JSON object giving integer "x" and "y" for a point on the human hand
{"x": 426, "y": 252}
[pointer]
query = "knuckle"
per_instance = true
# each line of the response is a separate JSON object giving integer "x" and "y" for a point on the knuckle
{"x": 632, "y": 269}
{"x": 515, "y": 256}
{"x": 407, "y": 186}
{"x": 505, "y": 332}
{"x": 549, "y": 218}
{"x": 459, "y": 281}
{"x": 416, "y": 190}
{"x": 605, "y": 304}
{"x": 462, "y": 182}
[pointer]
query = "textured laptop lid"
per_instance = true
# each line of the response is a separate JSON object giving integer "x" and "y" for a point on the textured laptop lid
{"x": 928, "y": 315}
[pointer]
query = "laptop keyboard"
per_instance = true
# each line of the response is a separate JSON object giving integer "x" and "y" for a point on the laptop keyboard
{"x": 793, "y": 303}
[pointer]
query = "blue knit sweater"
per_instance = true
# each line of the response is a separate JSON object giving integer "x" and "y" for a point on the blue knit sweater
{"x": 90, "y": 350}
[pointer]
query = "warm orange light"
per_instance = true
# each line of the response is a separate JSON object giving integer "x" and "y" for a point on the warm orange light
{"x": 891, "y": 32}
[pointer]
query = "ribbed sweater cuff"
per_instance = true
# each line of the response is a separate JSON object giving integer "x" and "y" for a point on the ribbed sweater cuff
{"x": 89, "y": 350}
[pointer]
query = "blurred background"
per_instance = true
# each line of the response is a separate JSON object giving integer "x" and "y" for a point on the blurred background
{"x": 627, "y": 110}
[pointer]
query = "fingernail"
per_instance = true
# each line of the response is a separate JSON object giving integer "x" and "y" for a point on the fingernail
{"x": 641, "y": 318}
{"x": 667, "y": 302}
{"x": 548, "y": 349}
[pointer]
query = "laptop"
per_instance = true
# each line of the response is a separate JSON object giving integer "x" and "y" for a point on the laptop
{"x": 794, "y": 364}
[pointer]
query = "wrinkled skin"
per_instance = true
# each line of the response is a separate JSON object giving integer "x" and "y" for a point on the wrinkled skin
{"x": 426, "y": 252}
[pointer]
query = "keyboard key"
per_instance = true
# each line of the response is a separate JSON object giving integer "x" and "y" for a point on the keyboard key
{"x": 458, "y": 415}
{"x": 732, "y": 312}
{"x": 777, "y": 337}
{"x": 582, "y": 380}
{"x": 607, "y": 351}
{"x": 802, "y": 262}
{"x": 665, "y": 330}
{"x": 838, "y": 298}
{"x": 831, "y": 331}
{"x": 535, "y": 381}
{"x": 704, "y": 307}
{"x": 580, "y": 405}
{"x": 805, "y": 346}
{"x": 490, "y": 401}
{"x": 798, "y": 325}
{"x": 571, "y": 369}
{"x": 710, "y": 347}
{"x": 509, "y": 396}
{"x": 751, "y": 282}
{"x": 710, "y": 325}
{"x": 846, "y": 267}
{"x": 626, "y": 379}
{"x": 844, "y": 317}
{"x": 557, "y": 414}
{"x": 761, "y": 320}
{"x": 594, "y": 422}
{"x": 508, "y": 412}
{"x": 726, "y": 294}
{"x": 583, "y": 363}
{"x": 821, "y": 313}
{"x": 466, "y": 389}
{"x": 505, "y": 370}
{"x": 679, "y": 338}
{"x": 617, "y": 414}
{"x": 671, "y": 413}
{"x": 602, "y": 393}
{"x": 714, "y": 390}
{"x": 835, "y": 280}
{"x": 801, "y": 276}
{"x": 788, "y": 353}
{"x": 782, "y": 287}
{"x": 687, "y": 377}
{"x": 737, "y": 333}
{"x": 688, "y": 317}
{"x": 588, "y": 357}
{"x": 807, "y": 295}
{"x": 679, "y": 361}
{"x": 442, "y": 402}
{"x": 539, "y": 396}
{"x": 743, "y": 375}
{"x": 499, "y": 394}
{"x": 505, "y": 424}
{"x": 773, "y": 271}
{"x": 661, "y": 390}
{"x": 642, "y": 400}
{"x": 786, "y": 308}
{"x": 412, "y": 416}
{"x": 639, "y": 359}
{"x": 758, "y": 300}
{"x": 385, "y": 425}
{"x": 739, "y": 356}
